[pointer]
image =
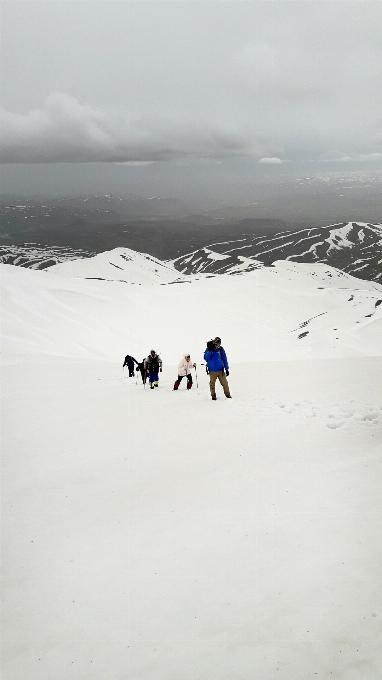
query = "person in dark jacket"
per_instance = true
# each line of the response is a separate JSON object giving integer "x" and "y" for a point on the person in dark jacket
{"x": 153, "y": 366}
{"x": 129, "y": 362}
{"x": 217, "y": 365}
{"x": 142, "y": 370}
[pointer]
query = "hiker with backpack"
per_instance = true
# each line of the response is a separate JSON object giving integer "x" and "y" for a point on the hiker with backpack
{"x": 129, "y": 362}
{"x": 184, "y": 369}
{"x": 153, "y": 366}
{"x": 217, "y": 366}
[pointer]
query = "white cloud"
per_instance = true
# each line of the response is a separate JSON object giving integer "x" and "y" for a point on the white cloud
{"x": 270, "y": 161}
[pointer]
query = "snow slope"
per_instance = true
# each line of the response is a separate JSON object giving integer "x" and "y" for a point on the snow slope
{"x": 157, "y": 535}
{"x": 273, "y": 313}
{"x": 120, "y": 264}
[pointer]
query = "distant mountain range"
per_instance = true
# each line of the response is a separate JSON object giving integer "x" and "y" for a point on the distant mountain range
{"x": 35, "y": 256}
{"x": 353, "y": 247}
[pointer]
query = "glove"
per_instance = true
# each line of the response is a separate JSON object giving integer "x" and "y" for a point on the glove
{"x": 194, "y": 365}
{"x": 160, "y": 370}
{"x": 227, "y": 372}
{"x": 210, "y": 345}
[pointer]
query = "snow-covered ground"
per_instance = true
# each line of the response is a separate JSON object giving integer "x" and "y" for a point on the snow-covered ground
{"x": 157, "y": 535}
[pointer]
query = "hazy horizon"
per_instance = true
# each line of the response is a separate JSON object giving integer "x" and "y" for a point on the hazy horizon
{"x": 200, "y": 184}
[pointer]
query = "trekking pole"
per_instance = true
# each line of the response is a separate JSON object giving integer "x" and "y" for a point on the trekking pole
{"x": 196, "y": 376}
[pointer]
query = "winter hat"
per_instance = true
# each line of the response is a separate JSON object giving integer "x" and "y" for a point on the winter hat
{"x": 217, "y": 340}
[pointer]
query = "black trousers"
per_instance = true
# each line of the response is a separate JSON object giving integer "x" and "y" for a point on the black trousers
{"x": 189, "y": 378}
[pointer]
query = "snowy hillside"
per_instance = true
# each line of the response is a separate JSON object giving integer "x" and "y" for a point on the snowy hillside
{"x": 133, "y": 301}
{"x": 355, "y": 248}
{"x": 120, "y": 264}
{"x": 160, "y": 535}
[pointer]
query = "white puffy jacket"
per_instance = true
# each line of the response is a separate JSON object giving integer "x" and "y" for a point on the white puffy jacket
{"x": 184, "y": 366}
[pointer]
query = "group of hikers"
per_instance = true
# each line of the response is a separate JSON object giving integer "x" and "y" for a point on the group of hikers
{"x": 216, "y": 366}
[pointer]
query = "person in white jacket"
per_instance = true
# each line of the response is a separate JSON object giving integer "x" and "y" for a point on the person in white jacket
{"x": 184, "y": 369}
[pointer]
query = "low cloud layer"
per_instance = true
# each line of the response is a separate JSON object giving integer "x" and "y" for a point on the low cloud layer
{"x": 67, "y": 131}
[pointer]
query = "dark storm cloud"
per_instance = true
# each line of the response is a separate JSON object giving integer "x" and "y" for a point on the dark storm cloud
{"x": 67, "y": 131}
{"x": 149, "y": 81}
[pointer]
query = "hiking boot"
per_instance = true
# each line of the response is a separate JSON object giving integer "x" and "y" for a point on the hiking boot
{"x": 189, "y": 385}
{"x": 228, "y": 396}
{"x": 151, "y": 386}
{"x": 176, "y": 384}
{"x": 213, "y": 397}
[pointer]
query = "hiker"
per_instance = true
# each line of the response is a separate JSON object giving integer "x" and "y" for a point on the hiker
{"x": 217, "y": 366}
{"x": 142, "y": 370}
{"x": 153, "y": 366}
{"x": 129, "y": 362}
{"x": 184, "y": 369}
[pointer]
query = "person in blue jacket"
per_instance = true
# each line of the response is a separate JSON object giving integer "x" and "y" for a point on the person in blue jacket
{"x": 217, "y": 366}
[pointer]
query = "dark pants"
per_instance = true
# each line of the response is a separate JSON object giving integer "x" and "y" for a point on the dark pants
{"x": 189, "y": 378}
{"x": 180, "y": 378}
{"x": 153, "y": 378}
{"x": 143, "y": 374}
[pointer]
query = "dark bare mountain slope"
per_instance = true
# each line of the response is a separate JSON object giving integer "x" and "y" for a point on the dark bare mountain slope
{"x": 353, "y": 247}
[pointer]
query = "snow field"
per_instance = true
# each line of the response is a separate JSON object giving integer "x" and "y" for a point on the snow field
{"x": 154, "y": 534}
{"x": 157, "y": 535}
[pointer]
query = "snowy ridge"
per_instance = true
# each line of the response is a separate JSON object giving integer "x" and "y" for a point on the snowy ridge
{"x": 355, "y": 248}
{"x": 120, "y": 264}
{"x": 207, "y": 261}
{"x": 119, "y": 298}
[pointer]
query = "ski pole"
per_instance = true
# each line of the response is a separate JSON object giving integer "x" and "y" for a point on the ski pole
{"x": 196, "y": 376}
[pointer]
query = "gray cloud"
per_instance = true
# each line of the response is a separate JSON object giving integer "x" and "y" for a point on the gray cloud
{"x": 148, "y": 81}
{"x": 67, "y": 131}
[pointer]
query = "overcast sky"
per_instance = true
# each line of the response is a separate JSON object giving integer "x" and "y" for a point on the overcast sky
{"x": 145, "y": 81}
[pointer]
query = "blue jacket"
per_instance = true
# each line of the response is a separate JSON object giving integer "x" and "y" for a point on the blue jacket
{"x": 216, "y": 359}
